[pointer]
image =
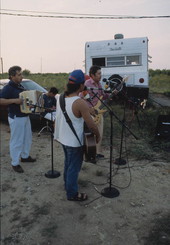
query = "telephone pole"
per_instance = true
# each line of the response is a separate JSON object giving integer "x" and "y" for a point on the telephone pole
{"x": 2, "y": 69}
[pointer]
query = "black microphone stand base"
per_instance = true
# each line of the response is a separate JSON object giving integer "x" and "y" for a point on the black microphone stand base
{"x": 120, "y": 161}
{"x": 52, "y": 174}
{"x": 110, "y": 192}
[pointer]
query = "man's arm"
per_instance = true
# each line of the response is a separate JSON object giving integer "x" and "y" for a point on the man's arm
{"x": 5, "y": 97}
{"x": 10, "y": 101}
{"x": 81, "y": 109}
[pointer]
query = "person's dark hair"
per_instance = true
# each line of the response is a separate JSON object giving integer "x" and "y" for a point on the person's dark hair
{"x": 13, "y": 70}
{"x": 71, "y": 88}
{"x": 53, "y": 90}
{"x": 94, "y": 69}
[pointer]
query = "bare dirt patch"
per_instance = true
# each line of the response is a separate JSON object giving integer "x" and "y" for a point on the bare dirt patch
{"x": 34, "y": 209}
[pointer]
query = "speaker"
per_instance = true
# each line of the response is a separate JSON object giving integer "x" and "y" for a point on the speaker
{"x": 163, "y": 127}
{"x": 138, "y": 92}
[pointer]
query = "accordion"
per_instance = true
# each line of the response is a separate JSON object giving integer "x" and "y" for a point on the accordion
{"x": 33, "y": 101}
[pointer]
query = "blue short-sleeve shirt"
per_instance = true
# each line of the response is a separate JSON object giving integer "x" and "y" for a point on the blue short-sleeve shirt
{"x": 12, "y": 91}
{"x": 49, "y": 102}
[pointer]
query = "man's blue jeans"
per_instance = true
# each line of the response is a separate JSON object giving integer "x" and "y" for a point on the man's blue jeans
{"x": 72, "y": 165}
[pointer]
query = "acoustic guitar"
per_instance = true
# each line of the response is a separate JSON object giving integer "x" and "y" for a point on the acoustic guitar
{"x": 99, "y": 112}
{"x": 89, "y": 146}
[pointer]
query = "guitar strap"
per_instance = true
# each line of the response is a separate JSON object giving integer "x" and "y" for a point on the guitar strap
{"x": 68, "y": 120}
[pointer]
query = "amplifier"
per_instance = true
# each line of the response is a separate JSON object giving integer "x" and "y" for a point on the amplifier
{"x": 138, "y": 92}
{"x": 163, "y": 126}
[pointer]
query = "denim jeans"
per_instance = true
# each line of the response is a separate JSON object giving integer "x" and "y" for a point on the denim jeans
{"x": 72, "y": 165}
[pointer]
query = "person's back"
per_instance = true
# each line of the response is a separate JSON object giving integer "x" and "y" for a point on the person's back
{"x": 64, "y": 134}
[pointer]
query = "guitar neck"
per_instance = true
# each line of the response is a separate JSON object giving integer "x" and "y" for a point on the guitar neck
{"x": 101, "y": 105}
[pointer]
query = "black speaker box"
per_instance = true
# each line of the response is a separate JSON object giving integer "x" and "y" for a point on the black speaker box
{"x": 163, "y": 126}
{"x": 137, "y": 92}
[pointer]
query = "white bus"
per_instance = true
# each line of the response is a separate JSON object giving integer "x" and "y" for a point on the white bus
{"x": 121, "y": 57}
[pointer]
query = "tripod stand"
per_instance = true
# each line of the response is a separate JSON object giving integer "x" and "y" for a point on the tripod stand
{"x": 110, "y": 191}
{"x": 47, "y": 127}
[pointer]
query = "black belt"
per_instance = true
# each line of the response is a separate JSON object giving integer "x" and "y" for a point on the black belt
{"x": 13, "y": 115}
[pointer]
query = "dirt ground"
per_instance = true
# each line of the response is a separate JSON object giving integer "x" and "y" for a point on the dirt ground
{"x": 34, "y": 209}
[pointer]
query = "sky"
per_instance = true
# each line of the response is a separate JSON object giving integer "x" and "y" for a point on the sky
{"x": 58, "y": 45}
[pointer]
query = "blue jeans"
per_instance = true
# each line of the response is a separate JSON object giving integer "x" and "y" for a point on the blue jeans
{"x": 72, "y": 165}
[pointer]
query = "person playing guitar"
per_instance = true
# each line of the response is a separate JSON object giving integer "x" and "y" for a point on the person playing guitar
{"x": 69, "y": 131}
{"x": 94, "y": 82}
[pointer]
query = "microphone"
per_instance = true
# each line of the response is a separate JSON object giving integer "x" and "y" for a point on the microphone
{"x": 107, "y": 83}
{"x": 105, "y": 80}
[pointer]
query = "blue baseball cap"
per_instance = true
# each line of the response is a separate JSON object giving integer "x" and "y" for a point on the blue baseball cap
{"x": 76, "y": 77}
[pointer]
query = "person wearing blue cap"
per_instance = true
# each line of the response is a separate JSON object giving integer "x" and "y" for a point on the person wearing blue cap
{"x": 78, "y": 112}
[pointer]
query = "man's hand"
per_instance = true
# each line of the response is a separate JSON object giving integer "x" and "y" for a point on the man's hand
{"x": 93, "y": 112}
{"x": 81, "y": 109}
{"x": 18, "y": 101}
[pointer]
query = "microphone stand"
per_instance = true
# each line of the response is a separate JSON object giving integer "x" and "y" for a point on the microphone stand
{"x": 110, "y": 191}
{"x": 51, "y": 173}
{"x": 120, "y": 160}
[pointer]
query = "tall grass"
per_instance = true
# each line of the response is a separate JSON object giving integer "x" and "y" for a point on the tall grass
{"x": 160, "y": 84}
{"x": 46, "y": 80}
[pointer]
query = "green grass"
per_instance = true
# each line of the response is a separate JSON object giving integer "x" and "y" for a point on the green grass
{"x": 143, "y": 126}
{"x": 160, "y": 84}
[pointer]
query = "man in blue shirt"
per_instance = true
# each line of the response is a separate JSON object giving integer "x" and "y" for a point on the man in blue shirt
{"x": 50, "y": 103}
{"x": 49, "y": 98}
{"x": 20, "y": 126}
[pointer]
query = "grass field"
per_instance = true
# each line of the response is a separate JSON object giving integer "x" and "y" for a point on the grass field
{"x": 159, "y": 81}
